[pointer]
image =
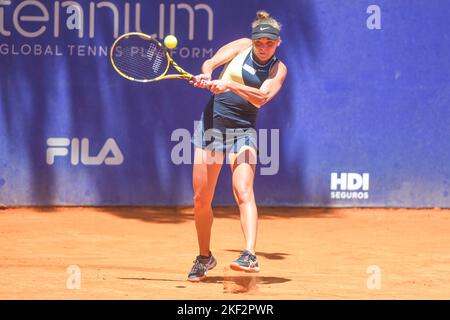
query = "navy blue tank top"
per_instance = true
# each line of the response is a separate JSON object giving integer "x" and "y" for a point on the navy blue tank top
{"x": 233, "y": 109}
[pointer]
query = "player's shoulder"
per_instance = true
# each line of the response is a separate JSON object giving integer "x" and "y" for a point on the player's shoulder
{"x": 279, "y": 66}
{"x": 242, "y": 43}
{"x": 278, "y": 70}
{"x": 245, "y": 41}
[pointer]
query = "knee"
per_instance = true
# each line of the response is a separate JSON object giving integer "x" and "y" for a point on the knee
{"x": 244, "y": 194}
{"x": 202, "y": 200}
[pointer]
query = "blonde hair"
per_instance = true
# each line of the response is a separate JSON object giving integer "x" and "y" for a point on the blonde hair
{"x": 263, "y": 17}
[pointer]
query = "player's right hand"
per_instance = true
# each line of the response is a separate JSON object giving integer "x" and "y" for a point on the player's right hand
{"x": 201, "y": 81}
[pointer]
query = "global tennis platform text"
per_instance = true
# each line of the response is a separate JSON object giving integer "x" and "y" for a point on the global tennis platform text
{"x": 89, "y": 51}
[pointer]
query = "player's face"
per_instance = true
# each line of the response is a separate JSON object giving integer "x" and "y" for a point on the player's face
{"x": 265, "y": 48}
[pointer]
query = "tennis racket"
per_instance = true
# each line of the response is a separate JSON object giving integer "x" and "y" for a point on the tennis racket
{"x": 138, "y": 57}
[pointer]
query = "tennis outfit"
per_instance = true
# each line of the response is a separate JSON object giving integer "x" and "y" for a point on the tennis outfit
{"x": 228, "y": 121}
{"x": 227, "y": 124}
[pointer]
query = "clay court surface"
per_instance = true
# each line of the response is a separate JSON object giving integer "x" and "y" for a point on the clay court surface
{"x": 146, "y": 253}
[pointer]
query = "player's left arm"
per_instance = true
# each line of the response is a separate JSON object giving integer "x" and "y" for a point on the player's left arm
{"x": 257, "y": 97}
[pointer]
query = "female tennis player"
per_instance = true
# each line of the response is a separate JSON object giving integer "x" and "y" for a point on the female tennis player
{"x": 251, "y": 77}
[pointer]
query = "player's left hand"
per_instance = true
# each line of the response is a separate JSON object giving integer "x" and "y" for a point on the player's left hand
{"x": 218, "y": 86}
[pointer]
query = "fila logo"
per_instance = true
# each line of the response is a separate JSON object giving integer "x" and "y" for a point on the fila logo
{"x": 110, "y": 153}
{"x": 349, "y": 185}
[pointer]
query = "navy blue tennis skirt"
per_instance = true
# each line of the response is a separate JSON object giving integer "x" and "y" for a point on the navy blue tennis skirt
{"x": 222, "y": 135}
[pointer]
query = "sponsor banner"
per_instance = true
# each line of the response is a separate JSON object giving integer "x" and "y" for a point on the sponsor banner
{"x": 362, "y": 119}
{"x": 349, "y": 186}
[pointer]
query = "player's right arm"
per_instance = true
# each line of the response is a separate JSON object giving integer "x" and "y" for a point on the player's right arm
{"x": 224, "y": 55}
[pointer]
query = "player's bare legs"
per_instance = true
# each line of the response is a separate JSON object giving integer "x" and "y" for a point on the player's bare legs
{"x": 243, "y": 165}
{"x": 207, "y": 165}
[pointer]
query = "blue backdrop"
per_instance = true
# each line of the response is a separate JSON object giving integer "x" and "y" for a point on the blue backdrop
{"x": 363, "y": 117}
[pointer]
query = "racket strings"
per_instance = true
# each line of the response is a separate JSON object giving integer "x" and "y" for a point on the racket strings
{"x": 140, "y": 58}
